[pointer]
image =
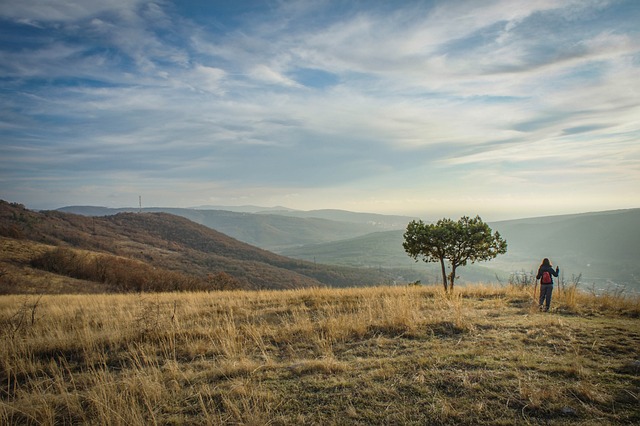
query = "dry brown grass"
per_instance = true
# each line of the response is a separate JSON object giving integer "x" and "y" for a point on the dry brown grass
{"x": 381, "y": 355}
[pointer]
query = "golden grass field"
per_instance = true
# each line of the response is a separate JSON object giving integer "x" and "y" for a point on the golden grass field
{"x": 378, "y": 355}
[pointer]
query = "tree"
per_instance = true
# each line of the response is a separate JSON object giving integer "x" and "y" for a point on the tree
{"x": 467, "y": 240}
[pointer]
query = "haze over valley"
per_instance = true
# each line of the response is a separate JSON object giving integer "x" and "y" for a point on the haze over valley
{"x": 602, "y": 247}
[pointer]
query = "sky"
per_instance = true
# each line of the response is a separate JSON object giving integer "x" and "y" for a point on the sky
{"x": 503, "y": 109}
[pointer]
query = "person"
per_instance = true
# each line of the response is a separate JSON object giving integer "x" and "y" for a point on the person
{"x": 546, "y": 288}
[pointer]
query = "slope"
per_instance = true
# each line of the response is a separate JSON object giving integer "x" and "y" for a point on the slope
{"x": 175, "y": 244}
{"x": 603, "y": 247}
{"x": 266, "y": 230}
{"x": 384, "y": 251}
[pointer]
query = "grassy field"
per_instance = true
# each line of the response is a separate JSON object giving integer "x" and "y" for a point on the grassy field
{"x": 379, "y": 355}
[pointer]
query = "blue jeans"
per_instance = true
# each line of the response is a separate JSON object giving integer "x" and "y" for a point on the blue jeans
{"x": 545, "y": 295}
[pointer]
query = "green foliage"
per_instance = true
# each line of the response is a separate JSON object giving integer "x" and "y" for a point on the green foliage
{"x": 459, "y": 242}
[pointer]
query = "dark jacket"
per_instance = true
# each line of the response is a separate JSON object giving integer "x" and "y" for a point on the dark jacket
{"x": 552, "y": 272}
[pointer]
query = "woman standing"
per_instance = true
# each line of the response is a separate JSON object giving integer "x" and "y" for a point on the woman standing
{"x": 545, "y": 275}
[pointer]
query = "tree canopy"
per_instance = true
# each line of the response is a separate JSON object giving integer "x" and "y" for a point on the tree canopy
{"x": 458, "y": 242}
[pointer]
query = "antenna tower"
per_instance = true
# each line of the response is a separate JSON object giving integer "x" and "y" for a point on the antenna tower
{"x": 140, "y": 203}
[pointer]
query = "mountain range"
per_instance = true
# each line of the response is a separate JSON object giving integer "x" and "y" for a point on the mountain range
{"x": 602, "y": 248}
{"x": 269, "y": 229}
{"x": 284, "y": 248}
{"x": 152, "y": 246}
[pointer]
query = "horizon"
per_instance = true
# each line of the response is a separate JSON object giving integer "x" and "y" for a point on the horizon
{"x": 507, "y": 109}
{"x": 276, "y": 209}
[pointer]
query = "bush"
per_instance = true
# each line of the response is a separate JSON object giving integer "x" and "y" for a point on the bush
{"x": 120, "y": 273}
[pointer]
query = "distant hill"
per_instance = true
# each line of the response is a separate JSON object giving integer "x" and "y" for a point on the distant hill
{"x": 269, "y": 230}
{"x": 378, "y": 249}
{"x": 383, "y": 250}
{"x": 603, "y": 247}
{"x": 379, "y": 221}
{"x": 242, "y": 209}
{"x": 162, "y": 241}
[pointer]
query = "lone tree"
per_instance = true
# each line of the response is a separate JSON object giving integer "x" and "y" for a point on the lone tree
{"x": 467, "y": 240}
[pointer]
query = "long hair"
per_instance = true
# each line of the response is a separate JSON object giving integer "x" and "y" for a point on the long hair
{"x": 545, "y": 262}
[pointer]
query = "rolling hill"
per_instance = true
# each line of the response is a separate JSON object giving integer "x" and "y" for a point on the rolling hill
{"x": 271, "y": 230}
{"x": 603, "y": 247}
{"x": 153, "y": 242}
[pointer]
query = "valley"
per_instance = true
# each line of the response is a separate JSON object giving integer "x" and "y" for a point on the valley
{"x": 602, "y": 248}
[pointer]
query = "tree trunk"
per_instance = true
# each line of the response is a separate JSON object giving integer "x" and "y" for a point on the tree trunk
{"x": 444, "y": 275}
{"x": 452, "y": 278}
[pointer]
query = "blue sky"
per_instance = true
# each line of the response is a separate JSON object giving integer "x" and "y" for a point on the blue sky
{"x": 505, "y": 109}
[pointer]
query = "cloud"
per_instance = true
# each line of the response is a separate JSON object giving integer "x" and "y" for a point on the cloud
{"x": 205, "y": 78}
{"x": 320, "y": 99}
{"x": 268, "y": 75}
{"x": 64, "y": 11}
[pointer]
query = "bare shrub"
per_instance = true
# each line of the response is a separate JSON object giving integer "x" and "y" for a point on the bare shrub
{"x": 522, "y": 279}
{"x": 121, "y": 274}
{"x": 223, "y": 281}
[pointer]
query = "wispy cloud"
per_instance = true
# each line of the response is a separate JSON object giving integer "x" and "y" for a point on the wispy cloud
{"x": 65, "y": 11}
{"x": 314, "y": 103}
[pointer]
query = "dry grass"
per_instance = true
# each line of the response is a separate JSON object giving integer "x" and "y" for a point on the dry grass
{"x": 382, "y": 355}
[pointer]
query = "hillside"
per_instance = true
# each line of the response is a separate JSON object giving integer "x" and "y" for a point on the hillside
{"x": 270, "y": 230}
{"x": 162, "y": 242}
{"x": 380, "y": 221}
{"x": 383, "y": 250}
{"x": 603, "y": 247}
